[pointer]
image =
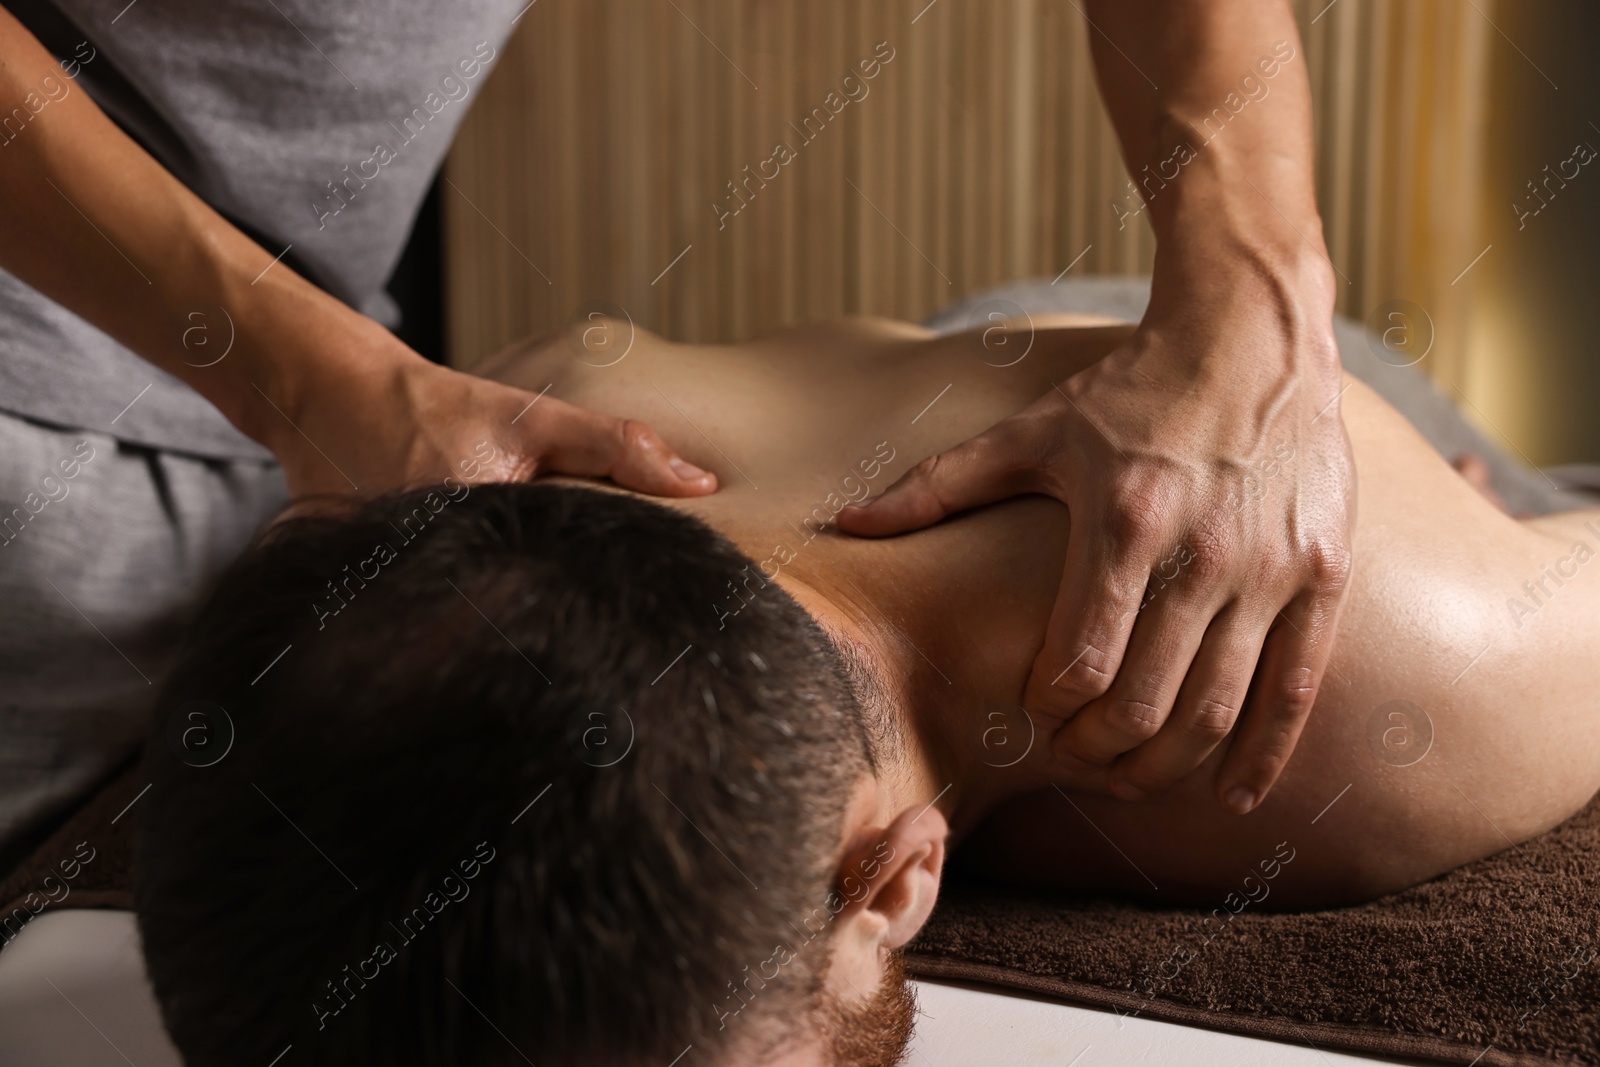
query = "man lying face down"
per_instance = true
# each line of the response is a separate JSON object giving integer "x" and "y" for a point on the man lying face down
{"x": 551, "y": 774}
{"x": 511, "y": 795}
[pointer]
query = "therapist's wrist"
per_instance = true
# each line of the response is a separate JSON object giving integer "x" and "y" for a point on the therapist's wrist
{"x": 1231, "y": 213}
{"x": 1226, "y": 267}
{"x": 1241, "y": 319}
{"x": 298, "y": 347}
{"x": 245, "y": 331}
{"x": 1229, "y": 278}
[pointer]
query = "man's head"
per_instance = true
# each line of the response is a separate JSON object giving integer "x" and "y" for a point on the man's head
{"x": 505, "y": 784}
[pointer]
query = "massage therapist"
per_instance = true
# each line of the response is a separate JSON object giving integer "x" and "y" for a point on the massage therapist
{"x": 192, "y": 334}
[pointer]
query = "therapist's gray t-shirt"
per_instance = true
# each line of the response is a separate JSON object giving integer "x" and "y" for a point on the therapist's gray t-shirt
{"x": 315, "y": 126}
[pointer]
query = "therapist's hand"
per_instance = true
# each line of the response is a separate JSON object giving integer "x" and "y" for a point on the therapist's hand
{"x": 1209, "y": 479}
{"x": 1204, "y": 461}
{"x": 391, "y": 419}
{"x": 90, "y": 220}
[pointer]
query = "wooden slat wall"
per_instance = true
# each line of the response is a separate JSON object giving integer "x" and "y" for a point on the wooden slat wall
{"x": 980, "y": 154}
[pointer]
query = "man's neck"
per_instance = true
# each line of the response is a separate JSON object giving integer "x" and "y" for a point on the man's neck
{"x": 944, "y": 744}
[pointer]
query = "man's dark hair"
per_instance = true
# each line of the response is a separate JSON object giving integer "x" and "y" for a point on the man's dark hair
{"x": 505, "y": 749}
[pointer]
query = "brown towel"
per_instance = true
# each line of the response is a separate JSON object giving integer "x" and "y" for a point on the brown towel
{"x": 1495, "y": 964}
{"x": 1502, "y": 955}
{"x": 87, "y": 863}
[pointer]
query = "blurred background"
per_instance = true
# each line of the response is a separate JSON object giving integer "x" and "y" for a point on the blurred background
{"x": 598, "y": 167}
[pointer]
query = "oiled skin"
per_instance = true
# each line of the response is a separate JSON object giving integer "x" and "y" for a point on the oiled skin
{"x": 1511, "y": 698}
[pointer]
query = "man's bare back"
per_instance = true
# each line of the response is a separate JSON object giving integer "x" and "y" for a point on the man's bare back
{"x": 1451, "y": 723}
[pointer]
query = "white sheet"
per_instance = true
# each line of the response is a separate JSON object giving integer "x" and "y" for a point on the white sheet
{"x": 73, "y": 993}
{"x": 963, "y": 1026}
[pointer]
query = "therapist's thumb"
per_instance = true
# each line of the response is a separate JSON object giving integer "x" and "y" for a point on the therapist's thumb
{"x": 627, "y": 451}
{"x": 992, "y": 466}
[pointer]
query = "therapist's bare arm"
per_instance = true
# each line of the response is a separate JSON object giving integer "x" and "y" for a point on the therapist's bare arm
{"x": 1205, "y": 461}
{"x": 93, "y": 222}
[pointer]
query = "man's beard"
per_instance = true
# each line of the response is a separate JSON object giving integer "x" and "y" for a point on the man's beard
{"x": 875, "y": 1033}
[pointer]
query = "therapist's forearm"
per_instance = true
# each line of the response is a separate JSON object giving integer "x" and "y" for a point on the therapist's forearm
{"x": 1212, "y": 105}
{"x": 93, "y": 222}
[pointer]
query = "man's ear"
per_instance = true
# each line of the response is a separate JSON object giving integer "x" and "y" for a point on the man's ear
{"x": 889, "y": 878}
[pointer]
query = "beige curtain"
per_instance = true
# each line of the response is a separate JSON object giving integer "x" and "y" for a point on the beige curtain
{"x": 624, "y": 153}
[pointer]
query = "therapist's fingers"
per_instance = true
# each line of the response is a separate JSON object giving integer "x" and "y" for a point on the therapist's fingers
{"x": 1102, "y": 583}
{"x": 1292, "y": 663}
{"x": 1001, "y": 462}
{"x": 574, "y": 440}
{"x": 1134, "y": 710}
{"x": 1207, "y": 707}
